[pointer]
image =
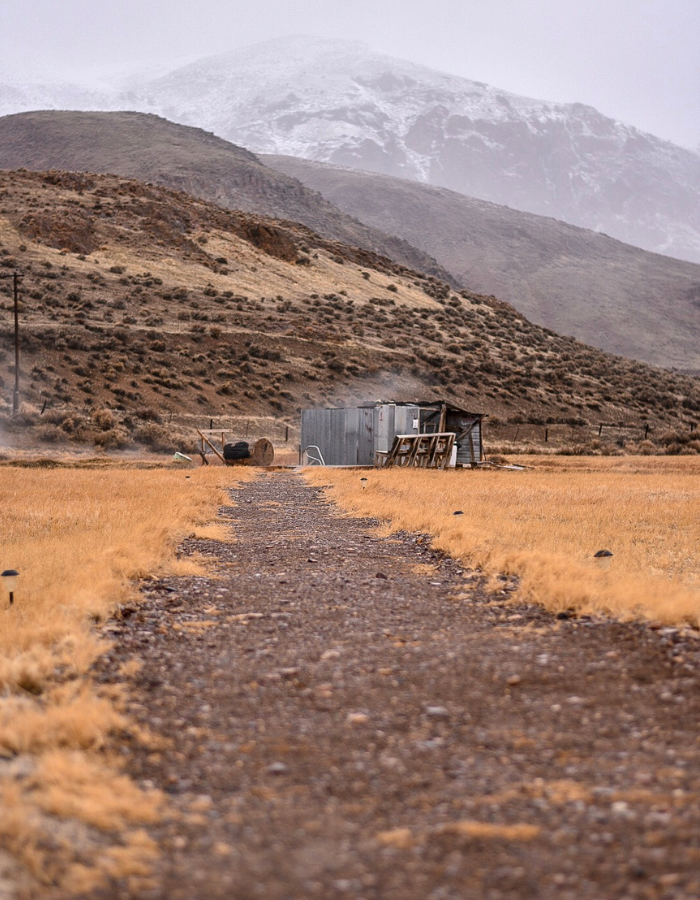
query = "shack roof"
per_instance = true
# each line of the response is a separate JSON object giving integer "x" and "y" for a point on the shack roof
{"x": 421, "y": 404}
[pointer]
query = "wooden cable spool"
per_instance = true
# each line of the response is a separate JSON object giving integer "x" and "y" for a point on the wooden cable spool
{"x": 263, "y": 454}
{"x": 238, "y": 453}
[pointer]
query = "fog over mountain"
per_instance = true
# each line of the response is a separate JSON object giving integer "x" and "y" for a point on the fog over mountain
{"x": 339, "y": 102}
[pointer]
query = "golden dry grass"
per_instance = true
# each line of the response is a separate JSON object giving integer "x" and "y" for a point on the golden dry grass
{"x": 80, "y": 539}
{"x": 544, "y": 525}
{"x": 405, "y": 839}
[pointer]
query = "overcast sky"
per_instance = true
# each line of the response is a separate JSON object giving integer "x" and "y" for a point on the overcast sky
{"x": 636, "y": 60}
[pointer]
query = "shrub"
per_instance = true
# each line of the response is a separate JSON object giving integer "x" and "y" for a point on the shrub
{"x": 104, "y": 419}
{"x": 155, "y": 436}
{"x": 49, "y": 433}
{"x": 55, "y": 416}
{"x": 671, "y": 438}
{"x": 72, "y": 424}
{"x": 112, "y": 439}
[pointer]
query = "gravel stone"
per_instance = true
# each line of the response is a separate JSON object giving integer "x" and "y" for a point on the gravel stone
{"x": 368, "y": 744}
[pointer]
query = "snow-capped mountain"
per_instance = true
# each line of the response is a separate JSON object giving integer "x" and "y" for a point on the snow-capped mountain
{"x": 25, "y": 96}
{"x": 339, "y": 102}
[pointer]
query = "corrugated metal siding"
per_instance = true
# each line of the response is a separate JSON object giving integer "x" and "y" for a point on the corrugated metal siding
{"x": 464, "y": 454}
{"x": 384, "y": 426}
{"x": 336, "y": 433}
{"x": 337, "y": 428}
{"x": 404, "y": 418}
{"x": 352, "y": 436}
{"x": 465, "y": 427}
{"x": 365, "y": 449}
{"x": 315, "y": 430}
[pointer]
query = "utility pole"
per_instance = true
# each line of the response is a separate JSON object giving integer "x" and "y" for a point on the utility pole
{"x": 15, "y": 395}
{"x": 16, "y": 278}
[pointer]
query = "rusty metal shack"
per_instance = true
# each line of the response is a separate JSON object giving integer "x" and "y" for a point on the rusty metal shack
{"x": 354, "y": 436}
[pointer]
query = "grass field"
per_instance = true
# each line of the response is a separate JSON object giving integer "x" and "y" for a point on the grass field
{"x": 79, "y": 540}
{"x": 544, "y": 525}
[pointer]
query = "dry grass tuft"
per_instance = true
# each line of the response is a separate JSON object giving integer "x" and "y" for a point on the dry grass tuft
{"x": 491, "y": 831}
{"x": 80, "y": 539}
{"x": 405, "y": 839}
{"x": 544, "y": 526}
{"x": 214, "y": 532}
{"x": 76, "y": 786}
{"x": 70, "y": 717}
{"x": 400, "y": 838}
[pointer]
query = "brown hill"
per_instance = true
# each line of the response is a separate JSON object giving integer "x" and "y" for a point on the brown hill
{"x": 577, "y": 282}
{"x": 140, "y": 305}
{"x": 574, "y": 281}
{"x": 152, "y": 149}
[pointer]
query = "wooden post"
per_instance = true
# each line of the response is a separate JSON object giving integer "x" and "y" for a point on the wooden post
{"x": 546, "y": 435}
{"x": 209, "y": 444}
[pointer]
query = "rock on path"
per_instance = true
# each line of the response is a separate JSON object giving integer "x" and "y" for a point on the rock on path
{"x": 352, "y": 716}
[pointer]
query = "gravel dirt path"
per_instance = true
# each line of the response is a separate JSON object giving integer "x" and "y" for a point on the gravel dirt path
{"x": 353, "y": 716}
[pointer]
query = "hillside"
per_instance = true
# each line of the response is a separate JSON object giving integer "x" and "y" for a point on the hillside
{"x": 141, "y": 305}
{"x": 152, "y": 149}
{"x": 573, "y": 281}
{"x": 612, "y": 295}
{"x": 339, "y": 102}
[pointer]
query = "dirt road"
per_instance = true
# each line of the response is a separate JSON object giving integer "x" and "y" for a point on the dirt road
{"x": 354, "y": 717}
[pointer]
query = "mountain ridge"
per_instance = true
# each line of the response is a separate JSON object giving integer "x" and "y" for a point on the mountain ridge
{"x": 575, "y": 281}
{"x": 610, "y": 295}
{"x": 148, "y": 147}
{"x": 338, "y": 102}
